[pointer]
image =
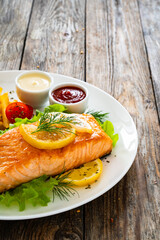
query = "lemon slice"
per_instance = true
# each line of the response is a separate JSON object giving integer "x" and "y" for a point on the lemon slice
{"x": 86, "y": 174}
{"x": 46, "y": 140}
{"x": 82, "y": 126}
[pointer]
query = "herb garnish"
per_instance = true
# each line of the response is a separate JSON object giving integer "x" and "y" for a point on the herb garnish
{"x": 98, "y": 115}
{"x": 57, "y": 123}
{"x": 64, "y": 189}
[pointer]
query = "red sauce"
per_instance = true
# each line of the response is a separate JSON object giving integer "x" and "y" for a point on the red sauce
{"x": 68, "y": 94}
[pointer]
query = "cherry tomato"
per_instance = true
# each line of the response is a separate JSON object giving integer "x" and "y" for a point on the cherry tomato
{"x": 18, "y": 110}
{"x": 30, "y": 112}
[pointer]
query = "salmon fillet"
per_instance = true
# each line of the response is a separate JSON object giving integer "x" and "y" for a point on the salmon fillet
{"x": 20, "y": 162}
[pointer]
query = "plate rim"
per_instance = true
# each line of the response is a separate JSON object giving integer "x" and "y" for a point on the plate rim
{"x": 54, "y": 212}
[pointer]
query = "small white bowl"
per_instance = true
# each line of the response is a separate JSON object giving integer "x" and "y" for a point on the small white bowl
{"x": 34, "y": 98}
{"x": 78, "y": 107}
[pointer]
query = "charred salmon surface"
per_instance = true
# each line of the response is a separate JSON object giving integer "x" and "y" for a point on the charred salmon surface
{"x": 20, "y": 162}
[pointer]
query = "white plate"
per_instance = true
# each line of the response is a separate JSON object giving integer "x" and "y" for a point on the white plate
{"x": 120, "y": 160}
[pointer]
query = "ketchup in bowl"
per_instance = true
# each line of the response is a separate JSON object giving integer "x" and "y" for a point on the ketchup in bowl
{"x": 68, "y": 94}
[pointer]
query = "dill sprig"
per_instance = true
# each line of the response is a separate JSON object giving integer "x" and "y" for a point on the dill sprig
{"x": 98, "y": 115}
{"x": 63, "y": 190}
{"x": 58, "y": 123}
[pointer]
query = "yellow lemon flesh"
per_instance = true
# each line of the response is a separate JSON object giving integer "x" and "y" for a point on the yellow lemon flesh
{"x": 85, "y": 174}
{"x": 46, "y": 140}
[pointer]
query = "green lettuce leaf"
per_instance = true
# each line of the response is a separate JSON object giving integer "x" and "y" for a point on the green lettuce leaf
{"x": 34, "y": 192}
{"x": 55, "y": 108}
{"x": 108, "y": 127}
{"x": 3, "y": 131}
{"x": 19, "y": 121}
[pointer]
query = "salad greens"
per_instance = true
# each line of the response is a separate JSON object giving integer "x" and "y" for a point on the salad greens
{"x": 108, "y": 128}
{"x": 36, "y": 191}
{"x": 55, "y": 108}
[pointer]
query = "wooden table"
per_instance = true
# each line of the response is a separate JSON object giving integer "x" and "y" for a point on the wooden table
{"x": 115, "y": 45}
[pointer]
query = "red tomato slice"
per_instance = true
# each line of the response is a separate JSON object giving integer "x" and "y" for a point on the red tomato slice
{"x": 18, "y": 110}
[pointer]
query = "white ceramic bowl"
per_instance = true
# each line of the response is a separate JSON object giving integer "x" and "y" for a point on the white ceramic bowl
{"x": 78, "y": 107}
{"x": 34, "y": 98}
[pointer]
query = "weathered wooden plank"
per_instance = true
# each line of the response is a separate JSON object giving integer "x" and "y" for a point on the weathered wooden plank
{"x": 62, "y": 226}
{"x": 116, "y": 61}
{"x": 54, "y": 43}
{"x": 55, "y": 40}
{"x": 150, "y": 18}
{"x": 14, "y": 17}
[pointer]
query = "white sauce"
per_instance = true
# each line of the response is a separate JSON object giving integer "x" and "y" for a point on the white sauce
{"x": 34, "y": 82}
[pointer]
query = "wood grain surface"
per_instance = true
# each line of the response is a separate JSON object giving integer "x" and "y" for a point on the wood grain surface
{"x": 55, "y": 39}
{"x": 150, "y": 18}
{"x": 113, "y": 44}
{"x": 14, "y": 20}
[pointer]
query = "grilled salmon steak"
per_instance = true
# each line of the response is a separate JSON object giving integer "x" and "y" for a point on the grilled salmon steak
{"x": 20, "y": 162}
